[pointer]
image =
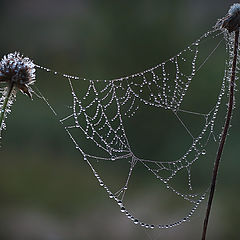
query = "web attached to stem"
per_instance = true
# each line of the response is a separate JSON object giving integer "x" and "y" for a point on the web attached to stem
{"x": 96, "y": 121}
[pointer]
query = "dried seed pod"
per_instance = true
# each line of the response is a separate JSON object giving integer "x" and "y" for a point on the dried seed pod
{"x": 19, "y": 71}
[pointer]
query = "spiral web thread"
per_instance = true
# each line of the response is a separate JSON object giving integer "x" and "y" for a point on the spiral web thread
{"x": 98, "y": 112}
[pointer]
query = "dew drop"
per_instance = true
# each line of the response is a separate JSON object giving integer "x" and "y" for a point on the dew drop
{"x": 123, "y": 209}
{"x": 111, "y": 196}
{"x": 204, "y": 152}
{"x": 136, "y": 221}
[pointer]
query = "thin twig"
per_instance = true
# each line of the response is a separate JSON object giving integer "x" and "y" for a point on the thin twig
{"x": 223, "y": 137}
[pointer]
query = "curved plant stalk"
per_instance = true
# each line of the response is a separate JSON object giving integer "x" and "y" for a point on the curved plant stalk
{"x": 223, "y": 136}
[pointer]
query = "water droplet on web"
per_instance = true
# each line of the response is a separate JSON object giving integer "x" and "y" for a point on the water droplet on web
{"x": 204, "y": 152}
{"x": 136, "y": 221}
{"x": 123, "y": 209}
{"x": 111, "y": 196}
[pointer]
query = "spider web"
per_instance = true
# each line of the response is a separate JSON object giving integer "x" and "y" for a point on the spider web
{"x": 100, "y": 111}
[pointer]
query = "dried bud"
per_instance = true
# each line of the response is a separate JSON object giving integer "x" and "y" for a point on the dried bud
{"x": 19, "y": 71}
{"x": 232, "y": 21}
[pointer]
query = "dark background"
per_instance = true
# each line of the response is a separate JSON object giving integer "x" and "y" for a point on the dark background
{"x": 46, "y": 191}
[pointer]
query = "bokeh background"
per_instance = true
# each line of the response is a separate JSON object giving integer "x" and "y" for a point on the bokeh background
{"x": 47, "y": 192}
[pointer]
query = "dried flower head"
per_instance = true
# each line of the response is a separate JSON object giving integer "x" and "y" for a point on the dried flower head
{"x": 18, "y": 71}
{"x": 232, "y": 21}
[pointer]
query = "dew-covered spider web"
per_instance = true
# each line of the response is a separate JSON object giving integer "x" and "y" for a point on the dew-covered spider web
{"x": 101, "y": 118}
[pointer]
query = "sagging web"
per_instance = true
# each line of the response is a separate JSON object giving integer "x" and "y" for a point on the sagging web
{"x": 96, "y": 121}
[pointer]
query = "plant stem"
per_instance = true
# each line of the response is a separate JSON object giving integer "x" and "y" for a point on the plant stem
{"x": 5, "y": 104}
{"x": 223, "y": 136}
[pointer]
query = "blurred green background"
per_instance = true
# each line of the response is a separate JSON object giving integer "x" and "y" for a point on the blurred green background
{"x": 47, "y": 192}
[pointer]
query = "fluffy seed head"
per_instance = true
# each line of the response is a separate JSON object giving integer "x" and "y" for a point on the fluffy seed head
{"x": 18, "y": 70}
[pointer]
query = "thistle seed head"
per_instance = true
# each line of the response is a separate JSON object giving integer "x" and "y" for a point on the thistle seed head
{"x": 232, "y": 21}
{"x": 18, "y": 70}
